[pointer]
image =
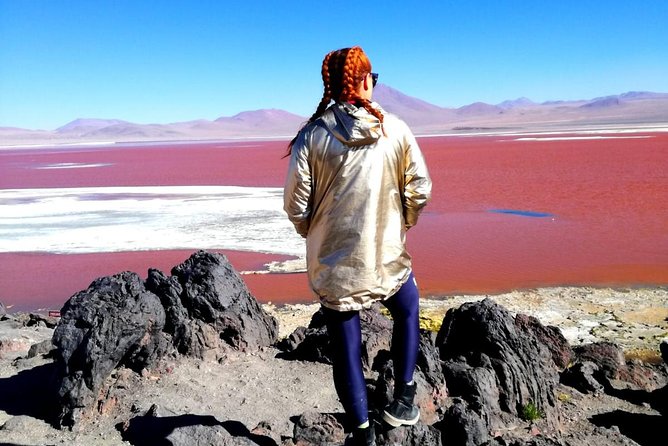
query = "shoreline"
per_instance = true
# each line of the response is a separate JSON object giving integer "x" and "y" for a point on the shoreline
{"x": 634, "y": 318}
{"x": 20, "y": 143}
{"x": 57, "y": 277}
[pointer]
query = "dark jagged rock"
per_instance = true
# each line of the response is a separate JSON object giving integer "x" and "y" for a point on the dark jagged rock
{"x": 307, "y": 344}
{"x": 208, "y": 307}
{"x": 112, "y": 323}
{"x": 41, "y": 321}
{"x": 203, "y": 309}
{"x": 45, "y": 347}
{"x": 419, "y": 434}
{"x": 203, "y": 435}
{"x": 496, "y": 365}
{"x": 312, "y": 343}
{"x": 550, "y": 336}
{"x": 318, "y": 429}
{"x": 645, "y": 376}
{"x": 581, "y": 377}
{"x": 537, "y": 441}
{"x": 613, "y": 371}
{"x": 607, "y": 356}
{"x": 165, "y": 427}
{"x": 663, "y": 347}
{"x": 465, "y": 424}
{"x": 429, "y": 360}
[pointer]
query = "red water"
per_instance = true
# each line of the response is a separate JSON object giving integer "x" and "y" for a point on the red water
{"x": 607, "y": 200}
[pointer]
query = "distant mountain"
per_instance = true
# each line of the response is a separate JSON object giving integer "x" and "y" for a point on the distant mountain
{"x": 634, "y": 95}
{"x": 479, "y": 108}
{"x": 85, "y": 125}
{"x": 395, "y": 101}
{"x": 412, "y": 110}
{"x": 265, "y": 119}
{"x": 519, "y": 102}
{"x": 634, "y": 107}
{"x": 609, "y": 101}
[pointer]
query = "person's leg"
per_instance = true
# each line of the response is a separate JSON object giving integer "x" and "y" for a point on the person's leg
{"x": 345, "y": 337}
{"x": 404, "y": 308}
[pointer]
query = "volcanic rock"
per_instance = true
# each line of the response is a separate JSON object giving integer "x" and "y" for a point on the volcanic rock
{"x": 41, "y": 348}
{"x": 318, "y": 429}
{"x": 466, "y": 424}
{"x": 160, "y": 426}
{"x": 209, "y": 308}
{"x": 581, "y": 377}
{"x": 499, "y": 368}
{"x": 312, "y": 343}
{"x": 663, "y": 347}
{"x": 418, "y": 434}
{"x": 41, "y": 321}
{"x": 115, "y": 322}
{"x": 550, "y": 336}
{"x": 607, "y": 356}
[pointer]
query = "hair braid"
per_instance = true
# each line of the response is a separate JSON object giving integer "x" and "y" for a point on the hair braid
{"x": 327, "y": 93}
{"x": 358, "y": 66}
{"x": 349, "y": 78}
{"x": 342, "y": 71}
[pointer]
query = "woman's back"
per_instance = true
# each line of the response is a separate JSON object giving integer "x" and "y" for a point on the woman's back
{"x": 357, "y": 222}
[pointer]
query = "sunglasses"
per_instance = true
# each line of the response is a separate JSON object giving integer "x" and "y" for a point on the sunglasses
{"x": 374, "y": 79}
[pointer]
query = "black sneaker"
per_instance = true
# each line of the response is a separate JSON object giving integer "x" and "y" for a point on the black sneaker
{"x": 402, "y": 411}
{"x": 363, "y": 437}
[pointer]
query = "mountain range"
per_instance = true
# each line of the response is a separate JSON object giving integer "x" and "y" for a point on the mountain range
{"x": 522, "y": 114}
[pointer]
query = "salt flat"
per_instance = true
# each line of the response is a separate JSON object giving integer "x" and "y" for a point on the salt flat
{"x": 112, "y": 219}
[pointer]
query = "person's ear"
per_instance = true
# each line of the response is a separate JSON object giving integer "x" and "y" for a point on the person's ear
{"x": 366, "y": 86}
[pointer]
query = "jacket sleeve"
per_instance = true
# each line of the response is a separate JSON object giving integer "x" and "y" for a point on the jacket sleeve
{"x": 417, "y": 183}
{"x": 297, "y": 192}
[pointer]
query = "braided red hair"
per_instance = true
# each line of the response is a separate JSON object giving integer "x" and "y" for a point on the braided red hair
{"x": 342, "y": 72}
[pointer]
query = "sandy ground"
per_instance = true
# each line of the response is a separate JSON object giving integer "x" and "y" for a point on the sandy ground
{"x": 251, "y": 388}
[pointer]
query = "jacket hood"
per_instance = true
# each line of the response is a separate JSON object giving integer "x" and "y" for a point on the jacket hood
{"x": 352, "y": 125}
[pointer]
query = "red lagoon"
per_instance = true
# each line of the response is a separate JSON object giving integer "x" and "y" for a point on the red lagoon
{"x": 507, "y": 212}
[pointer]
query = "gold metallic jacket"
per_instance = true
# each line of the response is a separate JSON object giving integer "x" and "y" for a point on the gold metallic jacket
{"x": 353, "y": 193}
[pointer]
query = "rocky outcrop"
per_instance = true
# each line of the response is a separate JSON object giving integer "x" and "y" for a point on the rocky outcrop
{"x": 312, "y": 343}
{"x": 602, "y": 366}
{"x": 3, "y": 311}
{"x": 202, "y": 310}
{"x": 498, "y": 367}
{"x": 209, "y": 308}
{"x": 582, "y": 376}
{"x": 549, "y": 336}
{"x": 164, "y": 427}
{"x": 313, "y": 428}
{"x": 19, "y": 333}
{"x": 45, "y": 347}
{"x": 419, "y": 434}
{"x": 115, "y": 322}
{"x": 607, "y": 356}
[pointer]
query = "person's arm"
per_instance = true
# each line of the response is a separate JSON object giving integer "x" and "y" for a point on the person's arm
{"x": 417, "y": 183}
{"x": 297, "y": 192}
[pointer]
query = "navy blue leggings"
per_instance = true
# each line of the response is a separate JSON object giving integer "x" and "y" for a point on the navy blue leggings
{"x": 346, "y": 341}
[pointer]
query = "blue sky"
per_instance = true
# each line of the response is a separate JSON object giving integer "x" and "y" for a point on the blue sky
{"x": 167, "y": 61}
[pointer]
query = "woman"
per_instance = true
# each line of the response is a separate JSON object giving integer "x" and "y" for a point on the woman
{"x": 356, "y": 183}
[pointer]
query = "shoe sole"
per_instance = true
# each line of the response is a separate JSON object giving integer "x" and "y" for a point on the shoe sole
{"x": 396, "y": 422}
